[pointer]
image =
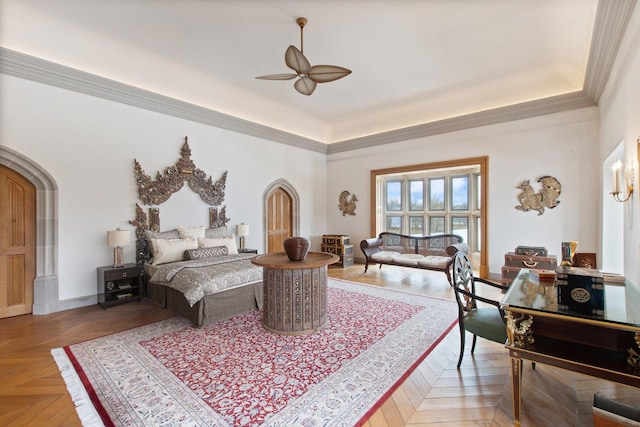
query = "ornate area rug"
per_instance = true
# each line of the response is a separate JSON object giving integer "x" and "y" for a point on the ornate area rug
{"x": 234, "y": 373}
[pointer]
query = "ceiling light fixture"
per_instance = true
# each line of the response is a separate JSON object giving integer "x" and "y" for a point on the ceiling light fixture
{"x": 308, "y": 76}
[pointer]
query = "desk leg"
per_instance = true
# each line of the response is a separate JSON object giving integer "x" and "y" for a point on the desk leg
{"x": 516, "y": 384}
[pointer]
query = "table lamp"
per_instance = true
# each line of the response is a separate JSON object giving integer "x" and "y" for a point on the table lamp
{"x": 116, "y": 239}
{"x": 242, "y": 230}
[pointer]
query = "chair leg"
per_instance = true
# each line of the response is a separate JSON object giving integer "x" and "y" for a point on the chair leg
{"x": 462, "y": 333}
{"x": 473, "y": 343}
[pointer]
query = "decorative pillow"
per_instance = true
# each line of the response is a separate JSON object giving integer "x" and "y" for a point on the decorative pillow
{"x": 229, "y": 242}
{"x": 170, "y": 234}
{"x": 204, "y": 253}
{"x": 195, "y": 232}
{"x": 171, "y": 250}
{"x": 217, "y": 233}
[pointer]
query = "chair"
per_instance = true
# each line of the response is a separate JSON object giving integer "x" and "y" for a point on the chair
{"x": 486, "y": 322}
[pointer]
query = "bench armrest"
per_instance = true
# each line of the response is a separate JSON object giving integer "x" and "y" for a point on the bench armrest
{"x": 370, "y": 246}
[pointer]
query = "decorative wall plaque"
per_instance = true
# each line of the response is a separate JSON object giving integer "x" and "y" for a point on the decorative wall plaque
{"x": 546, "y": 197}
{"x": 347, "y": 205}
{"x": 155, "y": 192}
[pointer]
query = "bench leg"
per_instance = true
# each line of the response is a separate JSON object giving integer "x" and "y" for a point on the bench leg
{"x": 448, "y": 273}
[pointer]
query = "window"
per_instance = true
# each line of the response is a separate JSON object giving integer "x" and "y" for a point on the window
{"x": 436, "y": 194}
{"x": 394, "y": 196}
{"x": 416, "y": 195}
{"x": 394, "y": 224}
{"x": 460, "y": 193}
{"x": 432, "y": 202}
{"x": 416, "y": 225}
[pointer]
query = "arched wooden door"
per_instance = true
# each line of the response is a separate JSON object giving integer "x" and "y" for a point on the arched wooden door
{"x": 279, "y": 219}
{"x": 17, "y": 243}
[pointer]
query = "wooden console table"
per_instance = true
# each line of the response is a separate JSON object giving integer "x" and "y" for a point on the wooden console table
{"x": 601, "y": 346}
{"x": 295, "y": 292}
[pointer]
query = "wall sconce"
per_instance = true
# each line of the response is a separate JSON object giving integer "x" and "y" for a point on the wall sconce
{"x": 242, "y": 230}
{"x": 116, "y": 239}
{"x": 618, "y": 179}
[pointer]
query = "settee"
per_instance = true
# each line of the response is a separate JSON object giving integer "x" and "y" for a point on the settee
{"x": 427, "y": 252}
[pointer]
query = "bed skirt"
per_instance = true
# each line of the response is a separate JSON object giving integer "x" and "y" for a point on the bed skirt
{"x": 212, "y": 307}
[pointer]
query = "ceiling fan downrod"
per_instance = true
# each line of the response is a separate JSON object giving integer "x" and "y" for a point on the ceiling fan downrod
{"x": 301, "y": 23}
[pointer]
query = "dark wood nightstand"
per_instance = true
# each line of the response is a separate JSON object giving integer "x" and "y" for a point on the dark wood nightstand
{"x": 247, "y": 251}
{"x": 118, "y": 285}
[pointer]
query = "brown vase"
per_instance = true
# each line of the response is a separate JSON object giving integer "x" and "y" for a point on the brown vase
{"x": 296, "y": 248}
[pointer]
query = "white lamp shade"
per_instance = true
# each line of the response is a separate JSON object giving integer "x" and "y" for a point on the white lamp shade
{"x": 118, "y": 237}
{"x": 242, "y": 230}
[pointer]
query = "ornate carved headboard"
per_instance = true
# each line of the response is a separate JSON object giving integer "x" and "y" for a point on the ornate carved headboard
{"x": 159, "y": 190}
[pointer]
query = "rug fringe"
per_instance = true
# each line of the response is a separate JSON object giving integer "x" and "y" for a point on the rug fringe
{"x": 86, "y": 411}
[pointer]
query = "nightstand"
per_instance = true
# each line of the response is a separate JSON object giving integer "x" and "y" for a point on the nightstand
{"x": 118, "y": 285}
{"x": 247, "y": 251}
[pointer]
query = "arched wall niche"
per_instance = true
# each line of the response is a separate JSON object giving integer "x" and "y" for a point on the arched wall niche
{"x": 46, "y": 284}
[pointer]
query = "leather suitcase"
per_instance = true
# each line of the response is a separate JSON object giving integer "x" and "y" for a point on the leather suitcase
{"x": 511, "y": 259}
{"x": 531, "y": 250}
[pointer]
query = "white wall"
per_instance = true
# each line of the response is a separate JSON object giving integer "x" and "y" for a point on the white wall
{"x": 88, "y": 145}
{"x": 620, "y": 121}
{"x": 563, "y": 145}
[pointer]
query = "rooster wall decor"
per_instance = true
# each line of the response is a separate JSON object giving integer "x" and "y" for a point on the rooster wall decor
{"x": 346, "y": 205}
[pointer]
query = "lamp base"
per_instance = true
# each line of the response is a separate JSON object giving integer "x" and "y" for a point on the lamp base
{"x": 241, "y": 242}
{"x": 118, "y": 257}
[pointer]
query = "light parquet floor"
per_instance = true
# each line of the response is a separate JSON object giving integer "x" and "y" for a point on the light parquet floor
{"x": 32, "y": 392}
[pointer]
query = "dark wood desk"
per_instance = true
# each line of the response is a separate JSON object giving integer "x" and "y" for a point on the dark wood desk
{"x": 605, "y": 346}
{"x": 295, "y": 292}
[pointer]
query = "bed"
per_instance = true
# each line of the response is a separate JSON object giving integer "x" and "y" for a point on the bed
{"x": 199, "y": 274}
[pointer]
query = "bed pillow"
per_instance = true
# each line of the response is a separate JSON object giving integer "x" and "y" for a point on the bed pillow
{"x": 204, "y": 253}
{"x": 195, "y": 232}
{"x": 171, "y": 250}
{"x": 229, "y": 242}
{"x": 217, "y": 233}
{"x": 170, "y": 234}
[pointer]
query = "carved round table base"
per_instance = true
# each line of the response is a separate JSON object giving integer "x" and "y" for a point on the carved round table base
{"x": 295, "y": 292}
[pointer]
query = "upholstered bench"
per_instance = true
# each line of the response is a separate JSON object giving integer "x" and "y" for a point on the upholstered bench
{"x": 427, "y": 252}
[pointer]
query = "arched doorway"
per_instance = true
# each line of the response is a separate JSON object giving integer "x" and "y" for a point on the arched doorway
{"x": 45, "y": 284}
{"x": 281, "y": 215}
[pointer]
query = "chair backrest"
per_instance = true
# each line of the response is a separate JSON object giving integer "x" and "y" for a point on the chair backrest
{"x": 463, "y": 282}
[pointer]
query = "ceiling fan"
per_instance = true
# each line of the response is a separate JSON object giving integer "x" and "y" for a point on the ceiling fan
{"x": 308, "y": 76}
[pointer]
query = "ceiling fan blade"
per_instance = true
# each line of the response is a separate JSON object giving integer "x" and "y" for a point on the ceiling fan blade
{"x": 327, "y": 73}
{"x": 284, "y": 76}
{"x": 305, "y": 85}
{"x": 296, "y": 60}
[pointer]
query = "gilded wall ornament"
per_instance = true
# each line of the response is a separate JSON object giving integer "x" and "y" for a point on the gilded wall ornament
{"x": 547, "y": 197}
{"x": 346, "y": 205}
{"x": 218, "y": 219}
{"x": 155, "y": 192}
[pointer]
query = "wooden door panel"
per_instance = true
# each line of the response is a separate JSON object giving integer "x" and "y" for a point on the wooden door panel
{"x": 17, "y": 243}
{"x": 279, "y": 220}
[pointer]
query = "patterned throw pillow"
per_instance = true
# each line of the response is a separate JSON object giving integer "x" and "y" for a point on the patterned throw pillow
{"x": 188, "y": 232}
{"x": 204, "y": 253}
{"x": 229, "y": 242}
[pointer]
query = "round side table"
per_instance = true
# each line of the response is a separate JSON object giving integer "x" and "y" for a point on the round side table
{"x": 295, "y": 292}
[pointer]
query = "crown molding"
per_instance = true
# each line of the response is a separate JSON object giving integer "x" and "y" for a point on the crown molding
{"x": 509, "y": 113}
{"x": 612, "y": 19}
{"x": 29, "y": 67}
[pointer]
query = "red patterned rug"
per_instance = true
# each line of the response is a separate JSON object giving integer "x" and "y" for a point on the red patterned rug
{"x": 234, "y": 373}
